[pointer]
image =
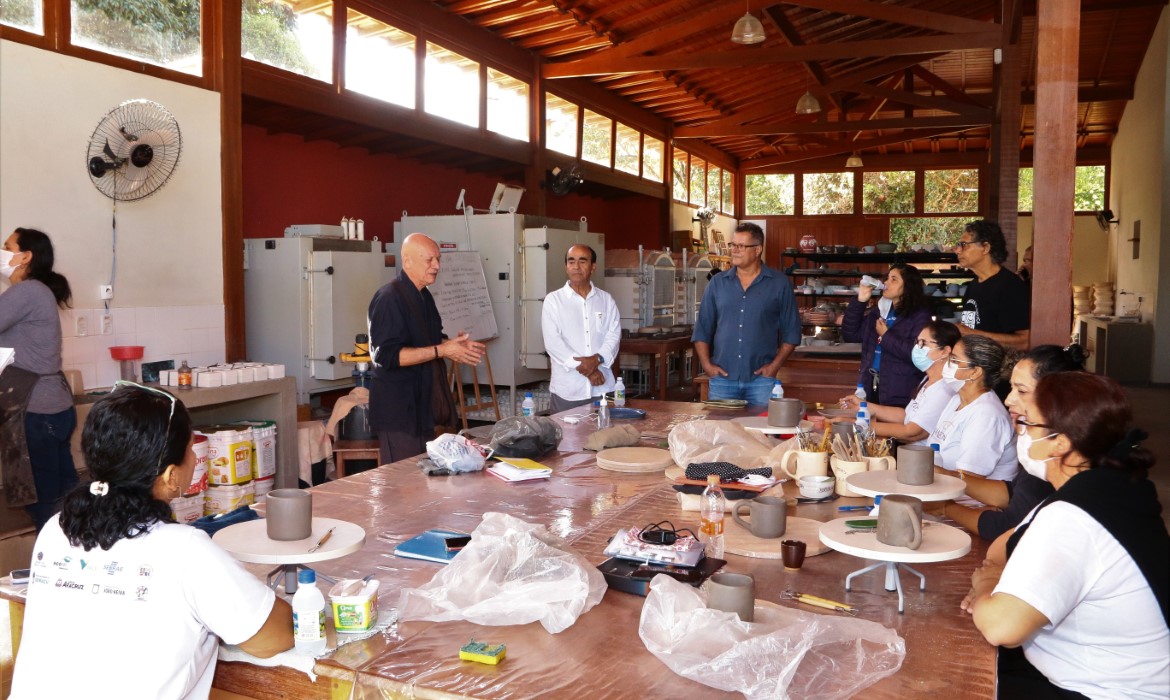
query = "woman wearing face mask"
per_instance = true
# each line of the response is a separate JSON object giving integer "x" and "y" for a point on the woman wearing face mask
{"x": 887, "y": 332}
{"x": 1007, "y": 502}
{"x": 974, "y": 432}
{"x": 1079, "y": 606}
{"x": 914, "y": 423}
{"x": 34, "y": 453}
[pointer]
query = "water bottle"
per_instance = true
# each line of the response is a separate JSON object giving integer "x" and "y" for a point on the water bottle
{"x": 711, "y": 511}
{"x": 603, "y": 414}
{"x": 863, "y": 417}
{"x": 308, "y": 606}
{"x": 619, "y": 393}
{"x": 528, "y": 408}
{"x": 937, "y": 453}
{"x": 777, "y": 390}
{"x": 859, "y": 392}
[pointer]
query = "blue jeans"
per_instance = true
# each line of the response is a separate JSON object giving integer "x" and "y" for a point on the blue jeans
{"x": 48, "y": 435}
{"x": 756, "y": 392}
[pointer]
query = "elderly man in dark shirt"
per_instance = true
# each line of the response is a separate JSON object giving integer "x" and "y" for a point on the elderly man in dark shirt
{"x": 748, "y": 315}
{"x": 408, "y": 348}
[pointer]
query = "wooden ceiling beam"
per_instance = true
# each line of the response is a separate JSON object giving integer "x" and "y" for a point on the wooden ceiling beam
{"x": 845, "y": 147}
{"x": 555, "y": 22}
{"x": 605, "y": 62}
{"x": 944, "y": 104}
{"x": 792, "y": 36}
{"x": 946, "y": 88}
{"x": 513, "y": 14}
{"x": 913, "y": 17}
{"x": 1085, "y": 95}
{"x": 687, "y": 24}
{"x": 586, "y": 44}
{"x": 1029, "y": 6}
{"x": 464, "y": 7}
{"x": 959, "y": 121}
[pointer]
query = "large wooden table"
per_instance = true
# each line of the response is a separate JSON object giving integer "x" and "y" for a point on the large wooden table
{"x": 601, "y": 656}
{"x": 659, "y": 351}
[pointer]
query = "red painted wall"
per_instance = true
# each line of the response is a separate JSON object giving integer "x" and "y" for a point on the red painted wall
{"x": 288, "y": 181}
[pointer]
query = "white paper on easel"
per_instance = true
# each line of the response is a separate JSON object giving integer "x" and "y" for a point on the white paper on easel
{"x": 7, "y": 357}
{"x": 461, "y": 295}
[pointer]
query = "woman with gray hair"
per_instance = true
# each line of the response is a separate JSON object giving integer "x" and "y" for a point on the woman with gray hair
{"x": 974, "y": 432}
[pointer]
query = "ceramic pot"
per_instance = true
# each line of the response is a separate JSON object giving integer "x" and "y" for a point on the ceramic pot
{"x": 900, "y": 521}
{"x": 808, "y": 243}
{"x": 915, "y": 465}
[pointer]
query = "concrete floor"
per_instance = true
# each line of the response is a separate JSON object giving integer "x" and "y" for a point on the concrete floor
{"x": 1151, "y": 409}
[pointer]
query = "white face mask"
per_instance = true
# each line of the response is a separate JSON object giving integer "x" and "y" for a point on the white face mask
{"x": 6, "y": 257}
{"x": 948, "y": 375}
{"x": 884, "y": 306}
{"x": 1036, "y": 467}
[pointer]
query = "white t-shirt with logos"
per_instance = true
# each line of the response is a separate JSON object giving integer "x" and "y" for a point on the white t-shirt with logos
{"x": 925, "y": 409}
{"x": 978, "y": 438}
{"x": 138, "y": 621}
{"x": 1107, "y": 637}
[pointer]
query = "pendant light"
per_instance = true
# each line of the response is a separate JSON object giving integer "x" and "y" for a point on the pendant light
{"x": 808, "y": 104}
{"x": 854, "y": 161}
{"x": 748, "y": 30}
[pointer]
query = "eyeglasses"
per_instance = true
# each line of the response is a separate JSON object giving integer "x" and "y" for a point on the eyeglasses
{"x": 962, "y": 245}
{"x": 1022, "y": 425}
{"x": 170, "y": 416}
{"x": 923, "y": 343}
{"x": 741, "y": 246}
{"x": 955, "y": 361}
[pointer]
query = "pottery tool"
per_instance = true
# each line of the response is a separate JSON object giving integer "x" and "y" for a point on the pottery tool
{"x": 322, "y": 541}
{"x": 819, "y": 602}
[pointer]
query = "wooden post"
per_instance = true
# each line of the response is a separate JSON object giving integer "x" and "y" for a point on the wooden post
{"x": 225, "y": 71}
{"x": 1058, "y": 40}
{"x": 1003, "y": 173}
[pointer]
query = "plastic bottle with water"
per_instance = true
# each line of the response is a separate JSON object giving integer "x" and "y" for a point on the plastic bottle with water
{"x": 937, "y": 453}
{"x": 859, "y": 392}
{"x": 619, "y": 393}
{"x": 603, "y": 414}
{"x": 308, "y": 606}
{"x": 777, "y": 390}
{"x": 711, "y": 512}
{"x": 863, "y": 416}
{"x": 528, "y": 407}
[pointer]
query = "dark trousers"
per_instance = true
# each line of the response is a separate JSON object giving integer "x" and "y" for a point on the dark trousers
{"x": 394, "y": 446}
{"x": 48, "y": 435}
{"x": 1018, "y": 679}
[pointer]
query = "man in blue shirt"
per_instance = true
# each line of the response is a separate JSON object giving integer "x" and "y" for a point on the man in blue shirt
{"x": 749, "y": 315}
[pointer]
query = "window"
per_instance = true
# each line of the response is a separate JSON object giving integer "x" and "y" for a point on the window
{"x": 941, "y": 230}
{"x": 652, "y": 153}
{"x": 680, "y": 175}
{"x": 560, "y": 125}
{"x": 728, "y": 202}
{"x": 951, "y": 191}
{"x": 451, "y": 86}
{"x": 828, "y": 193}
{"x": 276, "y": 34}
{"x": 770, "y": 194}
{"x": 714, "y": 187}
{"x": 1024, "y": 196}
{"x": 1089, "y": 194}
{"x": 23, "y": 14}
{"x": 165, "y": 34}
{"x": 596, "y": 138}
{"x": 626, "y": 149}
{"x": 698, "y": 189}
{"x": 379, "y": 60}
{"x": 507, "y": 105}
{"x": 887, "y": 192}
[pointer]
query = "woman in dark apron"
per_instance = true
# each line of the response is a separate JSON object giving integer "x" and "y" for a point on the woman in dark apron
{"x": 36, "y": 406}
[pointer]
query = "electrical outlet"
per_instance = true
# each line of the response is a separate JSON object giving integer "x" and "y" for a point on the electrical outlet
{"x": 107, "y": 323}
{"x": 81, "y": 326}
{"x": 106, "y": 292}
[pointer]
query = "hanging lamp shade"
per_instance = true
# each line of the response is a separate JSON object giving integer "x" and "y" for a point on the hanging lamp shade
{"x": 854, "y": 161}
{"x": 748, "y": 30}
{"x": 808, "y": 104}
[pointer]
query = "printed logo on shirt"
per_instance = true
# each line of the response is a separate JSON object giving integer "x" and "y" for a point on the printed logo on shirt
{"x": 144, "y": 571}
{"x": 95, "y": 588}
{"x": 40, "y": 580}
{"x": 140, "y": 592}
{"x": 970, "y": 316}
{"x": 83, "y": 563}
{"x": 112, "y": 568}
{"x": 110, "y": 590}
{"x": 39, "y": 560}
{"x": 63, "y": 563}
{"x": 72, "y": 585}
{"x": 940, "y": 433}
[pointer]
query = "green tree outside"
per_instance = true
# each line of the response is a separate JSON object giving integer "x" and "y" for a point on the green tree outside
{"x": 773, "y": 194}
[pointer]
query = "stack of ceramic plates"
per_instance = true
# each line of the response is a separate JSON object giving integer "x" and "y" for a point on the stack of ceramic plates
{"x": 1103, "y": 299}
{"x": 818, "y": 317}
{"x": 1082, "y": 300}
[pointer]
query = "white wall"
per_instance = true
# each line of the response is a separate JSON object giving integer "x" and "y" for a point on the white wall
{"x": 1090, "y": 261}
{"x": 169, "y": 284}
{"x": 1139, "y": 192}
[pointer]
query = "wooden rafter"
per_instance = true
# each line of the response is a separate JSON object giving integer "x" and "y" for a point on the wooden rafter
{"x": 844, "y": 147}
{"x": 946, "y": 88}
{"x": 792, "y": 36}
{"x": 944, "y": 104}
{"x": 913, "y": 17}
{"x": 695, "y": 132}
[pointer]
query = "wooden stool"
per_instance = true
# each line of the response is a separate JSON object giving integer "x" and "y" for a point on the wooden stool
{"x": 353, "y": 449}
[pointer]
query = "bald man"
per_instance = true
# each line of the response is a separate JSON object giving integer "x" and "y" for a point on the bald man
{"x": 408, "y": 348}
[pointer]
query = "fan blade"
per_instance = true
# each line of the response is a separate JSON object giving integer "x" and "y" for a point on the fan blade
{"x": 110, "y": 152}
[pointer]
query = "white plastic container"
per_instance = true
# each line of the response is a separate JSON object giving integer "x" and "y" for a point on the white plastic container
{"x": 263, "y": 447}
{"x": 261, "y": 487}
{"x": 308, "y": 607}
{"x": 187, "y": 509}
{"x": 619, "y": 393}
{"x": 358, "y": 611}
{"x": 225, "y": 499}
{"x": 202, "y": 449}
{"x": 230, "y": 452}
{"x": 528, "y": 407}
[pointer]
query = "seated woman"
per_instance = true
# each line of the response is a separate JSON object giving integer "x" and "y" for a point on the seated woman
{"x": 887, "y": 331}
{"x": 918, "y": 420}
{"x": 123, "y": 602}
{"x": 974, "y": 433}
{"x": 1007, "y": 502}
{"x": 1078, "y": 601}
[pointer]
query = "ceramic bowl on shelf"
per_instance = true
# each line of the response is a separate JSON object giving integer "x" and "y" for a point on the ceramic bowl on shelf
{"x": 869, "y": 249}
{"x": 886, "y": 247}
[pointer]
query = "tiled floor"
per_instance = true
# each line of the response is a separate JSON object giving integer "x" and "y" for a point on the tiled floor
{"x": 1151, "y": 408}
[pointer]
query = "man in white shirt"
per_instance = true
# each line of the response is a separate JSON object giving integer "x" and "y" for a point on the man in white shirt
{"x": 581, "y": 334}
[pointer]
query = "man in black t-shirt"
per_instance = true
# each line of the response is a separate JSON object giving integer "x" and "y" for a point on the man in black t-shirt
{"x": 998, "y": 303}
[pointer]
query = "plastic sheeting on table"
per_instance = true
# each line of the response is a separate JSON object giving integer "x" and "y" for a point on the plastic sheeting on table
{"x": 718, "y": 441}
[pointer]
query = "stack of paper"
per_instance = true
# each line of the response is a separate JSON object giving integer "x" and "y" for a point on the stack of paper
{"x": 516, "y": 469}
{"x": 7, "y": 355}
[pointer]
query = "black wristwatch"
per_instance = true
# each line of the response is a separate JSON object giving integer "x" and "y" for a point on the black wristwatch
{"x": 600, "y": 359}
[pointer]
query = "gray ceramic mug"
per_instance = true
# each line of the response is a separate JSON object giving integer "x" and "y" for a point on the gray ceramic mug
{"x": 732, "y": 593}
{"x": 289, "y": 514}
{"x": 785, "y": 413}
{"x": 900, "y": 521}
{"x": 915, "y": 465}
{"x": 769, "y": 516}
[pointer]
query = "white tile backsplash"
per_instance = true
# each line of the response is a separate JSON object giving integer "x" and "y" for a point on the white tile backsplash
{"x": 191, "y": 333}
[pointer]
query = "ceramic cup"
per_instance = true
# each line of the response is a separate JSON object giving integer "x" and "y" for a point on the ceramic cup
{"x": 807, "y": 463}
{"x": 842, "y": 470}
{"x": 915, "y": 465}
{"x": 792, "y": 552}
{"x": 785, "y": 413}
{"x": 813, "y": 486}
{"x": 732, "y": 593}
{"x": 845, "y": 429}
{"x": 769, "y": 516}
{"x": 289, "y": 514}
{"x": 900, "y": 521}
{"x": 879, "y": 464}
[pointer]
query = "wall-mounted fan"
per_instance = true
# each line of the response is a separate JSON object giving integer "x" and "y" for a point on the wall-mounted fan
{"x": 565, "y": 180}
{"x": 1105, "y": 217}
{"x": 133, "y": 150}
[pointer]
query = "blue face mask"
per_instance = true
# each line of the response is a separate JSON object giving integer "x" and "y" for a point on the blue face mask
{"x": 920, "y": 357}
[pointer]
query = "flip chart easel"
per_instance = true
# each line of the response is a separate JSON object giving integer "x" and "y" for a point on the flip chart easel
{"x": 454, "y": 376}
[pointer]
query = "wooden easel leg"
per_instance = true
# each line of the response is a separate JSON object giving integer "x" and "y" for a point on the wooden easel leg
{"x": 457, "y": 387}
{"x": 492, "y": 385}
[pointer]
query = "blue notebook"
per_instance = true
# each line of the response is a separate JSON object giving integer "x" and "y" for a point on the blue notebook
{"x": 430, "y": 546}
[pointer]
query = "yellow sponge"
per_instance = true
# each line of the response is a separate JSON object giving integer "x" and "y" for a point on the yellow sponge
{"x": 483, "y": 653}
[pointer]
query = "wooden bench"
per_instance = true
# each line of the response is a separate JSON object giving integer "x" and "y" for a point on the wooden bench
{"x": 344, "y": 450}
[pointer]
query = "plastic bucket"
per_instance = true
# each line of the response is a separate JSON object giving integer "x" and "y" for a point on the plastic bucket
{"x": 230, "y": 454}
{"x": 263, "y": 447}
{"x": 187, "y": 510}
{"x": 261, "y": 487}
{"x": 202, "y": 458}
{"x": 225, "y": 499}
